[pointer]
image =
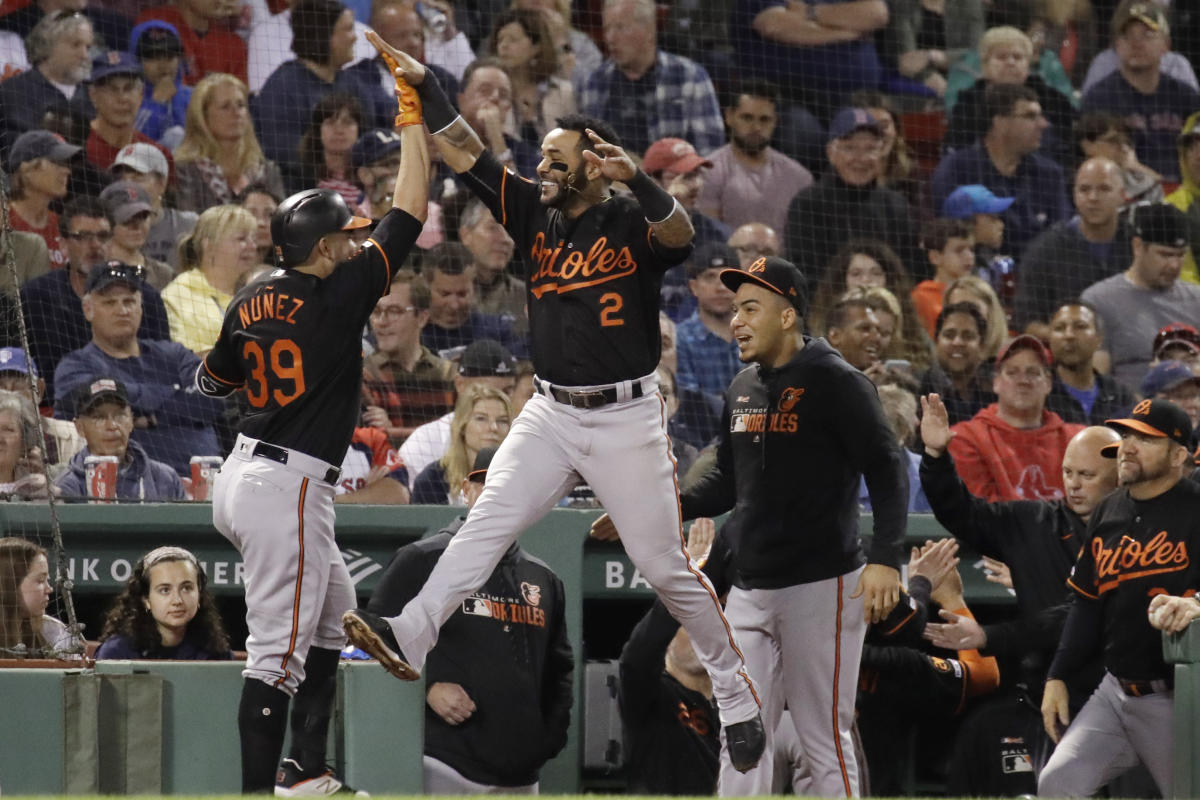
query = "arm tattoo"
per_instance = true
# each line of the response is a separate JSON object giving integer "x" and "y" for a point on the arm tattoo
{"x": 676, "y": 230}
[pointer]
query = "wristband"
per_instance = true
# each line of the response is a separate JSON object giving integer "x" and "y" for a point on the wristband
{"x": 439, "y": 113}
{"x": 657, "y": 204}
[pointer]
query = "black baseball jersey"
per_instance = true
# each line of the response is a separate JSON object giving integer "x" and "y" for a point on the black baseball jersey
{"x": 1134, "y": 550}
{"x": 294, "y": 342}
{"x": 592, "y": 283}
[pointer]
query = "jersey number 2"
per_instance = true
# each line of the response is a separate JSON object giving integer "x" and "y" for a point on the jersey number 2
{"x": 611, "y": 304}
{"x": 262, "y": 386}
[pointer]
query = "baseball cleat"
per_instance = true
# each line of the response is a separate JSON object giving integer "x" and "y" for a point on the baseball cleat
{"x": 291, "y": 781}
{"x": 372, "y": 633}
{"x": 745, "y": 741}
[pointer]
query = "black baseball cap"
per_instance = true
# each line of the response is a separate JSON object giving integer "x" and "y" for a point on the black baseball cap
{"x": 374, "y": 145}
{"x": 1158, "y": 418}
{"x": 774, "y": 274}
{"x": 159, "y": 41}
{"x": 483, "y": 460}
{"x": 104, "y": 275}
{"x": 1161, "y": 224}
{"x": 33, "y": 145}
{"x": 486, "y": 358}
{"x": 97, "y": 391}
{"x": 712, "y": 255}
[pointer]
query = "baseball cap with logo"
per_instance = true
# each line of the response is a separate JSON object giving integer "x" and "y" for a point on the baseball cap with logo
{"x": 1167, "y": 375}
{"x": 483, "y": 460}
{"x": 849, "y": 121}
{"x": 374, "y": 145}
{"x": 967, "y": 201}
{"x": 97, "y": 391}
{"x": 1177, "y": 334}
{"x": 485, "y": 358}
{"x": 113, "y": 63}
{"x": 144, "y": 158}
{"x": 159, "y": 41}
{"x": 774, "y": 274}
{"x": 33, "y": 145}
{"x": 1161, "y": 224}
{"x": 13, "y": 359}
{"x": 676, "y": 155}
{"x": 1158, "y": 418}
{"x": 104, "y": 275}
{"x": 1026, "y": 342}
{"x": 124, "y": 200}
{"x": 1146, "y": 12}
{"x": 711, "y": 255}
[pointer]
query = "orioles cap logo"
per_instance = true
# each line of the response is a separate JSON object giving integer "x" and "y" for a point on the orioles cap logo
{"x": 531, "y": 592}
{"x": 790, "y": 397}
{"x": 758, "y": 266}
{"x": 1141, "y": 409}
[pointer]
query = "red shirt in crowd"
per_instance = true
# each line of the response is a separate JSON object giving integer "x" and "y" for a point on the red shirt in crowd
{"x": 49, "y": 232}
{"x": 218, "y": 50}
{"x": 101, "y": 154}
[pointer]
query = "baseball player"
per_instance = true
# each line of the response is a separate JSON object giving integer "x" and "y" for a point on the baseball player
{"x": 1136, "y": 552}
{"x": 594, "y": 262}
{"x": 799, "y": 428}
{"x": 292, "y": 343}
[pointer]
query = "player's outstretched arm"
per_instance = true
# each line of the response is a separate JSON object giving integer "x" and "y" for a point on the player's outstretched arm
{"x": 412, "y": 178}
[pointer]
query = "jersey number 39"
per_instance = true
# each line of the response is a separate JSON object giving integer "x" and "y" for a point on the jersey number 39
{"x": 284, "y": 383}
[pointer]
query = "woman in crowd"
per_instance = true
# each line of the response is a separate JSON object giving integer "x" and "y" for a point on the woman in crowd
{"x": 21, "y": 455}
{"x": 25, "y": 589}
{"x": 481, "y": 419}
{"x": 961, "y": 375}
{"x": 1107, "y": 136}
{"x": 219, "y": 155}
{"x": 261, "y": 202}
{"x": 978, "y": 292}
{"x": 212, "y": 257}
{"x": 578, "y": 45}
{"x": 165, "y": 612}
{"x": 524, "y": 44}
{"x": 900, "y": 339}
{"x": 898, "y": 163}
{"x": 324, "y": 149}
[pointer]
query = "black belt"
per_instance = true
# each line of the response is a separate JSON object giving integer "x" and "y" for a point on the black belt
{"x": 279, "y": 454}
{"x": 1143, "y": 688}
{"x": 591, "y": 398}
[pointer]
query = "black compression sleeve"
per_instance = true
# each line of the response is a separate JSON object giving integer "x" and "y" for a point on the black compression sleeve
{"x": 654, "y": 200}
{"x": 435, "y": 106}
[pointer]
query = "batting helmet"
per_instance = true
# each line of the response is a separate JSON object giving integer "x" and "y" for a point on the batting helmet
{"x": 301, "y": 220}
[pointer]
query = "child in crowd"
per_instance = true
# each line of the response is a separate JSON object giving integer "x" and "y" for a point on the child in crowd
{"x": 25, "y": 588}
{"x": 950, "y": 246}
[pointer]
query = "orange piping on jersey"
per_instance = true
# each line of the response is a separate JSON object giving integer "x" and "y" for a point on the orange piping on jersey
{"x": 217, "y": 377}
{"x": 299, "y": 585}
{"x": 900, "y": 624}
{"x": 503, "y": 205}
{"x": 837, "y": 669}
{"x": 1082, "y": 591}
{"x": 387, "y": 264}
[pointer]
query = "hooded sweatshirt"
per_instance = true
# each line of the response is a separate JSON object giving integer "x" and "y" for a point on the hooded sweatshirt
{"x": 999, "y": 462}
{"x": 139, "y": 478}
{"x": 154, "y": 119}
{"x": 1187, "y": 199}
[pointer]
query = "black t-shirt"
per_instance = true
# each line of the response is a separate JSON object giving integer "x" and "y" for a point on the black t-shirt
{"x": 294, "y": 341}
{"x": 592, "y": 282}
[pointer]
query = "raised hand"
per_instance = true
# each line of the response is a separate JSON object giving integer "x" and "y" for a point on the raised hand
{"x": 935, "y": 425}
{"x": 615, "y": 164}
{"x": 403, "y": 66}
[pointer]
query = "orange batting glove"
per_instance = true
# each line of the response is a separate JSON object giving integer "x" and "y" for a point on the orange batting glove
{"x": 410, "y": 104}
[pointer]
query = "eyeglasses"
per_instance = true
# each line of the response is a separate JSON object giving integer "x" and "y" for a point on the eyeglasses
{"x": 395, "y": 312}
{"x": 82, "y": 236}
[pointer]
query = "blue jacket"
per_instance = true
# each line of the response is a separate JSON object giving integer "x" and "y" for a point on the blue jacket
{"x": 139, "y": 478}
{"x": 155, "y": 118}
{"x": 120, "y": 646}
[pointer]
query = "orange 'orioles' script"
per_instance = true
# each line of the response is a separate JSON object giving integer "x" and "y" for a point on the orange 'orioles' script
{"x": 1131, "y": 559}
{"x": 578, "y": 270}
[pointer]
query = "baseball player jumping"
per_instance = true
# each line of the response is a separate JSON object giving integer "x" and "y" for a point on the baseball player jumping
{"x": 292, "y": 343}
{"x": 594, "y": 266}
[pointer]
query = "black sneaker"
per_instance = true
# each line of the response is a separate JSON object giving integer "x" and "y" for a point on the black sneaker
{"x": 372, "y": 633}
{"x": 292, "y": 781}
{"x": 745, "y": 741}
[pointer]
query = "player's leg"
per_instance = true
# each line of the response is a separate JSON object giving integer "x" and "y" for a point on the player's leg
{"x": 1148, "y": 723}
{"x": 1095, "y": 748}
{"x": 529, "y": 474}
{"x": 627, "y": 461}
{"x": 821, "y": 639}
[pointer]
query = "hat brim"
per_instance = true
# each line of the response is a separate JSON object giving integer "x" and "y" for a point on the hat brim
{"x": 477, "y": 475}
{"x": 357, "y": 223}
{"x": 1110, "y": 450}
{"x": 64, "y": 151}
{"x": 997, "y": 205}
{"x": 96, "y": 399}
{"x": 129, "y": 211}
{"x": 733, "y": 278}
{"x": 1135, "y": 425}
{"x": 687, "y": 164}
{"x": 869, "y": 127}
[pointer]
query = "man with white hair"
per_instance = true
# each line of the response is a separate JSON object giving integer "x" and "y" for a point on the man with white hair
{"x": 59, "y": 50}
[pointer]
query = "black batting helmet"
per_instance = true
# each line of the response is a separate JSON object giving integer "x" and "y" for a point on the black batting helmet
{"x": 301, "y": 220}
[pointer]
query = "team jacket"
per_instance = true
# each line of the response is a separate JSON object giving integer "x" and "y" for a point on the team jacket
{"x": 793, "y": 443}
{"x": 507, "y": 646}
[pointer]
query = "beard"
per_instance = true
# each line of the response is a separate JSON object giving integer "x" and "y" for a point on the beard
{"x": 751, "y": 147}
{"x": 1132, "y": 473}
{"x": 575, "y": 183}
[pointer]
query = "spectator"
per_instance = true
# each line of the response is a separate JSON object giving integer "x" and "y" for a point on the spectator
{"x": 523, "y": 43}
{"x": 1073, "y": 254}
{"x": 270, "y": 43}
{"x": 164, "y": 98}
{"x": 165, "y": 611}
{"x": 750, "y": 181}
{"x": 684, "y": 453}
{"x": 146, "y": 166}
{"x": 323, "y": 155}
{"x": 498, "y": 685}
{"x": 171, "y": 420}
{"x": 103, "y": 416}
{"x": 696, "y": 419}
{"x": 130, "y": 210}
{"x": 405, "y": 384}
{"x": 1006, "y": 161}
{"x": 924, "y": 40}
{"x": 707, "y": 355}
{"x": 481, "y": 419}
{"x": 1175, "y": 381}
{"x": 1080, "y": 393}
{"x": 1178, "y": 342}
{"x": 208, "y": 45}
{"x": 61, "y": 440}
{"x": 51, "y": 303}
{"x": 213, "y": 257}
{"x": 976, "y": 204}
{"x": 111, "y": 25}
{"x": 375, "y": 158}
{"x": 975, "y": 290}
{"x": 900, "y": 409}
{"x": 398, "y": 24}
{"x": 220, "y": 155}
{"x": 846, "y": 203}
{"x": 31, "y": 258}
{"x": 950, "y": 247}
{"x": 852, "y": 328}
{"x": 1150, "y": 285}
{"x": 485, "y": 102}
{"x": 647, "y": 94}
{"x": 1012, "y": 449}
{"x": 59, "y": 48}
{"x": 485, "y": 362}
{"x": 261, "y": 202}
{"x": 1174, "y": 63}
{"x": 1185, "y": 197}
{"x": 893, "y": 347}
{"x": 22, "y": 457}
{"x": 497, "y": 290}
{"x": 1152, "y": 104}
{"x": 675, "y": 166}
{"x": 1006, "y": 54}
{"x": 959, "y": 374}
{"x": 26, "y": 630}
{"x": 115, "y": 92}
{"x": 372, "y": 472}
{"x": 899, "y": 167}
{"x": 753, "y": 241}
{"x": 579, "y": 45}
{"x": 454, "y": 321}
{"x": 13, "y": 60}
{"x": 1102, "y": 135}
{"x": 38, "y": 167}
